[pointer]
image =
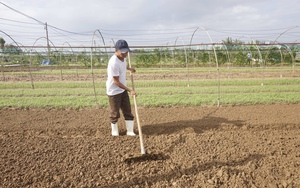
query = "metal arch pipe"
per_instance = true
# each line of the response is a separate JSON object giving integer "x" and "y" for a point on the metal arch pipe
{"x": 217, "y": 64}
{"x": 228, "y": 57}
{"x": 31, "y": 78}
{"x": 69, "y": 46}
{"x": 47, "y": 46}
{"x": 103, "y": 41}
{"x": 259, "y": 53}
{"x": 46, "y": 39}
{"x": 216, "y": 58}
{"x": 275, "y": 41}
{"x": 260, "y": 57}
{"x": 32, "y": 49}
{"x": 291, "y": 54}
{"x": 92, "y": 70}
{"x": 285, "y": 32}
{"x": 10, "y": 37}
{"x": 187, "y": 62}
{"x": 73, "y": 55}
{"x": 186, "y": 56}
{"x": 30, "y": 72}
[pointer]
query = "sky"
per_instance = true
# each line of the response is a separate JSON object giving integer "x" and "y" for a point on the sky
{"x": 148, "y": 22}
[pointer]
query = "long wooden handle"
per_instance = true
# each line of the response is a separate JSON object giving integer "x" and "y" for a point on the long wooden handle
{"x": 136, "y": 111}
{"x": 139, "y": 126}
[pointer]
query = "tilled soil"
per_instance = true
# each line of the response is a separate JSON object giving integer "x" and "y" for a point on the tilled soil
{"x": 230, "y": 146}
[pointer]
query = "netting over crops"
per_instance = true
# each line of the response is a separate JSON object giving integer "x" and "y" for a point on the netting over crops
{"x": 188, "y": 66}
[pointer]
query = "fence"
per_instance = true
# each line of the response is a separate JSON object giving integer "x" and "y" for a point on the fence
{"x": 212, "y": 73}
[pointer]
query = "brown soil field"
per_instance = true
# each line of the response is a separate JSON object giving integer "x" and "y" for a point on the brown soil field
{"x": 228, "y": 146}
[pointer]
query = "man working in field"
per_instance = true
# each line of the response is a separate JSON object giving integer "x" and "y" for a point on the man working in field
{"x": 116, "y": 89}
{"x": 249, "y": 57}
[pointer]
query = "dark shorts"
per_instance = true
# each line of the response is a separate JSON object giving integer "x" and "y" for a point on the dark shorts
{"x": 117, "y": 102}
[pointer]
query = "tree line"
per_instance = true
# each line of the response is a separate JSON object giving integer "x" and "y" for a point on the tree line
{"x": 229, "y": 52}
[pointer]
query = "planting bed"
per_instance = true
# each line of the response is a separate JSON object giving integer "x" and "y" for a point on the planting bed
{"x": 229, "y": 146}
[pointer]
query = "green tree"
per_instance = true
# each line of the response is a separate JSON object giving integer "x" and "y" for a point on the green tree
{"x": 2, "y": 42}
{"x": 241, "y": 58}
{"x": 12, "y": 49}
{"x": 222, "y": 57}
{"x": 232, "y": 44}
{"x": 147, "y": 59}
{"x": 204, "y": 57}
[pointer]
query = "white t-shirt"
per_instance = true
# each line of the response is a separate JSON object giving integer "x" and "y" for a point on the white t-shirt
{"x": 115, "y": 67}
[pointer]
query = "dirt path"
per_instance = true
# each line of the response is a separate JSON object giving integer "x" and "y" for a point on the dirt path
{"x": 239, "y": 146}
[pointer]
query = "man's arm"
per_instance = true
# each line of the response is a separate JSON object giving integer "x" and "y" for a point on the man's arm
{"x": 119, "y": 84}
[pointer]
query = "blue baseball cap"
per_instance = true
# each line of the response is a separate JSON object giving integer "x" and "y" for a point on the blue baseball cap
{"x": 122, "y": 46}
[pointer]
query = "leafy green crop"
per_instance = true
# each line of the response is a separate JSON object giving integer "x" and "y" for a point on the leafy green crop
{"x": 153, "y": 92}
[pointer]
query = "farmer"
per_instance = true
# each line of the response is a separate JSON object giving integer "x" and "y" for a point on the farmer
{"x": 117, "y": 90}
{"x": 249, "y": 57}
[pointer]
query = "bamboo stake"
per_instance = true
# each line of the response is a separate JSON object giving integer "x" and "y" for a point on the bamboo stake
{"x": 136, "y": 111}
